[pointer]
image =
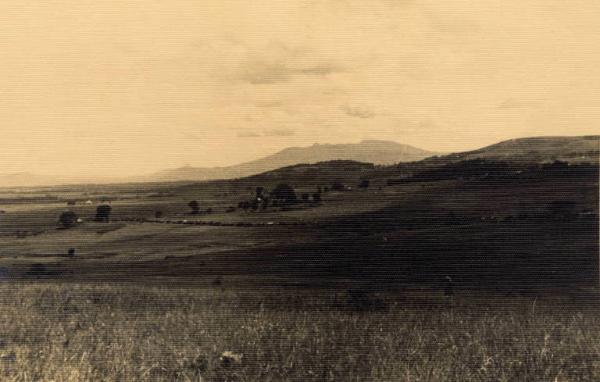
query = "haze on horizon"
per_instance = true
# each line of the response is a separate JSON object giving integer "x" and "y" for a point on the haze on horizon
{"x": 117, "y": 88}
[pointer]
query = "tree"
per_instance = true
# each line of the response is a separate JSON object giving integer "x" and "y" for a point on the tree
{"x": 194, "y": 206}
{"x": 103, "y": 213}
{"x": 305, "y": 197}
{"x": 265, "y": 204}
{"x": 259, "y": 191}
{"x": 365, "y": 183}
{"x": 244, "y": 206}
{"x": 317, "y": 197}
{"x": 337, "y": 186}
{"x": 562, "y": 209}
{"x": 284, "y": 192}
{"x": 68, "y": 219}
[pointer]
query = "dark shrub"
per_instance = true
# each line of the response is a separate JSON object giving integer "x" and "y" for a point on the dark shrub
{"x": 265, "y": 204}
{"x": 244, "y": 205}
{"x": 361, "y": 301}
{"x": 305, "y": 197}
{"x": 103, "y": 213}
{"x": 317, "y": 197}
{"x": 38, "y": 270}
{"x": 284, "y": 192}
{"x": 365, "y": 183}
{"x": 68, "y": 219}
{"x": 337, "y": 186}
{"x": 561, "y": 209}
{"x": 194, "y": 206}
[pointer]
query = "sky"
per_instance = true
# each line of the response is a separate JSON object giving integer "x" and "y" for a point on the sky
{"x": 124, "y": 87}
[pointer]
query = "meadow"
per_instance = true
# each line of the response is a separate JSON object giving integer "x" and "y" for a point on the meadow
{"x": 54, "y": 331}
{"x": 346, "y": 288}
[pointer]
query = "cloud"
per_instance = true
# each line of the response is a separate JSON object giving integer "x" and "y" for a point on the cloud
{"x": 248, "y": 134}
{"x": 358, "y": 112}
{"x": 190, "y": 135}
{"x": 512, "y": 103}
{"x": 267, "y": 133}
{"x": 320, "y": 70}
{"x": 261, "y": 73}
{"x": 277, "y": 62}
{"x": 279, "y": 133}
{"x": 269, "y": 104}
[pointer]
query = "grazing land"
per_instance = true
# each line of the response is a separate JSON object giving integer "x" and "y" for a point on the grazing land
{"x": 116, "y": 332}
{"x": 473, "y": 266}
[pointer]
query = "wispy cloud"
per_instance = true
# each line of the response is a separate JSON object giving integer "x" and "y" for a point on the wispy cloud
{"x": 267, "y": 133}
{"x": 269, "y": 104}
{"x": 279, "y": 133}
{"x": 358, "y": 112}
{"x": 278, "y": 62}
{"x": 261, "y": 73}
{"x": 248, "y": 134}
{"x": 512, "y": 103}
{"x": 190, "y": 135}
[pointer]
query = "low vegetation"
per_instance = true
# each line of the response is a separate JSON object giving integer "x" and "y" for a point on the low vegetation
{"x": 76, "y": 332}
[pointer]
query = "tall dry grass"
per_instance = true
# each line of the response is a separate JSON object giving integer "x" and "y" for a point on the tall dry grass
{"x": 84, "y": 332}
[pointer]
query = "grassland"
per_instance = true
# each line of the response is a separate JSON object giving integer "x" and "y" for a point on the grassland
{"x": 347, "y": 289}
{"x": 111, "y": 332}
{"x": 498, "y": 231}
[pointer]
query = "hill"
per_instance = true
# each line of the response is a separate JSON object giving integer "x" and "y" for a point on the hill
{"x": 538, "y": 149}
{"x": 26, "y": 179}
{"x": 376, "y": 152}
{"x": 496, "y": 223}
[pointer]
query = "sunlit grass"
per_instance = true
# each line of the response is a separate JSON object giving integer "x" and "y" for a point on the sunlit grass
{"x": 68, "y": 332}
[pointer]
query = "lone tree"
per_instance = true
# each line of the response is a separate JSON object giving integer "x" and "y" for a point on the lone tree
{"x": 365, "y": 183}
{"x": 284, "y": 192}
{"x": 68, "y": 219}
{"x": 194, "y": 206}
{"x": 103, "y": 213}
{"x": 317, "y": 197}
{"x": 338, "y": 186}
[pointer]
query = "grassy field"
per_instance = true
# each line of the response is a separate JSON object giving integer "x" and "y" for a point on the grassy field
{"x": 348, "y": 289}
{"x": 110, "y": 332}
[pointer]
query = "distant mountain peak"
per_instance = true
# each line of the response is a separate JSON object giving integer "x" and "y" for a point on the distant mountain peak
{"x": 378, "y": 152}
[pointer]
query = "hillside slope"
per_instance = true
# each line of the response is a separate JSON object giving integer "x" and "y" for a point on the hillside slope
{"x": 376, "y": 152}
{"x": 539, "y": 149}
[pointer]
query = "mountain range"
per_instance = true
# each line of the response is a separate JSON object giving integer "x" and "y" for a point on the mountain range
{"x": 370, "y": 151}
{"x": 376, "y": 152}
{"x": 533, "y": 149}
